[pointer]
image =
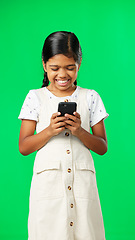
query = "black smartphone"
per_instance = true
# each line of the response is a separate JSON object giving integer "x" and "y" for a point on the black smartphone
{"x": 67, "y": 107}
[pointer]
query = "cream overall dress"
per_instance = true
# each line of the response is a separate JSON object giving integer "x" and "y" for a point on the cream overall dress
{"x": 64, "y": 202}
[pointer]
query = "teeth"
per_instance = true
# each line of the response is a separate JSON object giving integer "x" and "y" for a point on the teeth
{"x": 62, "y": 81}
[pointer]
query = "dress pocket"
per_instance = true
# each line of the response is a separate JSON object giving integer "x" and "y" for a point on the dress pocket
{"x": 49, "y": 181}
{"x": 84, "y": 180}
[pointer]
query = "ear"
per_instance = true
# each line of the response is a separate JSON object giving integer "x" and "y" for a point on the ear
{"x": 44, "y": 65}
{"x": 79, "y": 64}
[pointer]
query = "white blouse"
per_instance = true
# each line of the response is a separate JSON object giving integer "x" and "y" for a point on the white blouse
{"x": 31, "y": 106}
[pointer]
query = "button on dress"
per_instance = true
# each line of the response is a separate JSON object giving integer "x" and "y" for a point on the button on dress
{"x": 64, "y": 202}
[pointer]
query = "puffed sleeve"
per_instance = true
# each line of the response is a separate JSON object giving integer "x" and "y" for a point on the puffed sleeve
{"x": 96, "y": 107}
{"x": 31, "y": 106}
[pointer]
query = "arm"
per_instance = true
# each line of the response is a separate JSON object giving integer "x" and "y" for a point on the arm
{"x": 97, "y": 142}
{"x": 28, "y": 142}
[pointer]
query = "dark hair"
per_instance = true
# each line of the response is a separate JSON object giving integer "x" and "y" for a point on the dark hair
{"x": 61, "y": 42}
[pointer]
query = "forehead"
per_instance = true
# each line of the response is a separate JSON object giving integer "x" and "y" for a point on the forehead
{"x": 61, "y": 59}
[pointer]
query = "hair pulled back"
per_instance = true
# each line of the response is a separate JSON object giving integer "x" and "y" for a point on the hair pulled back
{"x": 61, "y": 42}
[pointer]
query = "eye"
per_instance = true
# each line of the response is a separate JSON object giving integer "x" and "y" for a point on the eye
{"x": 54, "y": 69}
{"x": 70, "y": 69}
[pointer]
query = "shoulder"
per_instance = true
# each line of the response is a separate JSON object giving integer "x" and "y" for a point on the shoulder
{"x": 35, "y": 93}
{"x": 33, "y": 98}
{"x": 91, "y": 93}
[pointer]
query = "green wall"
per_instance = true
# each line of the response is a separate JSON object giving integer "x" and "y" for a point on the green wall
{"x": 106, "y": 30}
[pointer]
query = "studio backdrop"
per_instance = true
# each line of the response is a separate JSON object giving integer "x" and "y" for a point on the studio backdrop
{"x": 106, "y": 31}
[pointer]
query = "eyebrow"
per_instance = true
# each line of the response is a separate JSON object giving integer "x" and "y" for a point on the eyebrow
{"x": 65, "y": 66}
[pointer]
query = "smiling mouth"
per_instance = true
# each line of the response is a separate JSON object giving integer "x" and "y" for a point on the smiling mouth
{"x": 62, "y": 81}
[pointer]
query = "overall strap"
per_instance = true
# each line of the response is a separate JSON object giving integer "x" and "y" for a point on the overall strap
{"x": 83, "y": 108}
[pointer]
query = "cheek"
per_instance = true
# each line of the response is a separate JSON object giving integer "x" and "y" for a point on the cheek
{"x": 75, "y": 75}
{"x": 51, "y": 75}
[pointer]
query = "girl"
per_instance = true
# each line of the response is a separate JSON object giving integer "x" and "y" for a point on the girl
{"x": 64, "y": 202}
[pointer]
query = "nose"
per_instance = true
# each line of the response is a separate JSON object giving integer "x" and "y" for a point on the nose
{"x": 62, "y": 73}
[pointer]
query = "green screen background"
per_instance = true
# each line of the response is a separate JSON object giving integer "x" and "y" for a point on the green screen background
{"x": 106, "y": 31}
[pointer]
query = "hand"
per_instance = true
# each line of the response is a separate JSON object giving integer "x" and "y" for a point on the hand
{"x": 57, "y": 124}
{"x": 75, "y": 123}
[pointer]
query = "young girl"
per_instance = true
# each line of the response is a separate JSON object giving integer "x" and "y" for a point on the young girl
{"x": 64, "y": 202}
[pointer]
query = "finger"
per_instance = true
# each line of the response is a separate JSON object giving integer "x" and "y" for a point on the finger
{"x": 69, "y": 127}
{"x": 59, "y": 119}
{"x": 58, "y": 130}
{"x": 68, "y": 116}
{"x": 76, "y": 114}
{"x": 60, "y": 124}
{"x": 54, "y": 115}
{"x": 72, "y": 123}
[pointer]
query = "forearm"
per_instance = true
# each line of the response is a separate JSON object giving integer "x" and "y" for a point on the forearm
{"x": 92, "y": 142}
{"x": 35, "y": 142}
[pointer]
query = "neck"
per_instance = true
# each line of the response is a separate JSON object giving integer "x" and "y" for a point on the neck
{"x": 61, "y": 93}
